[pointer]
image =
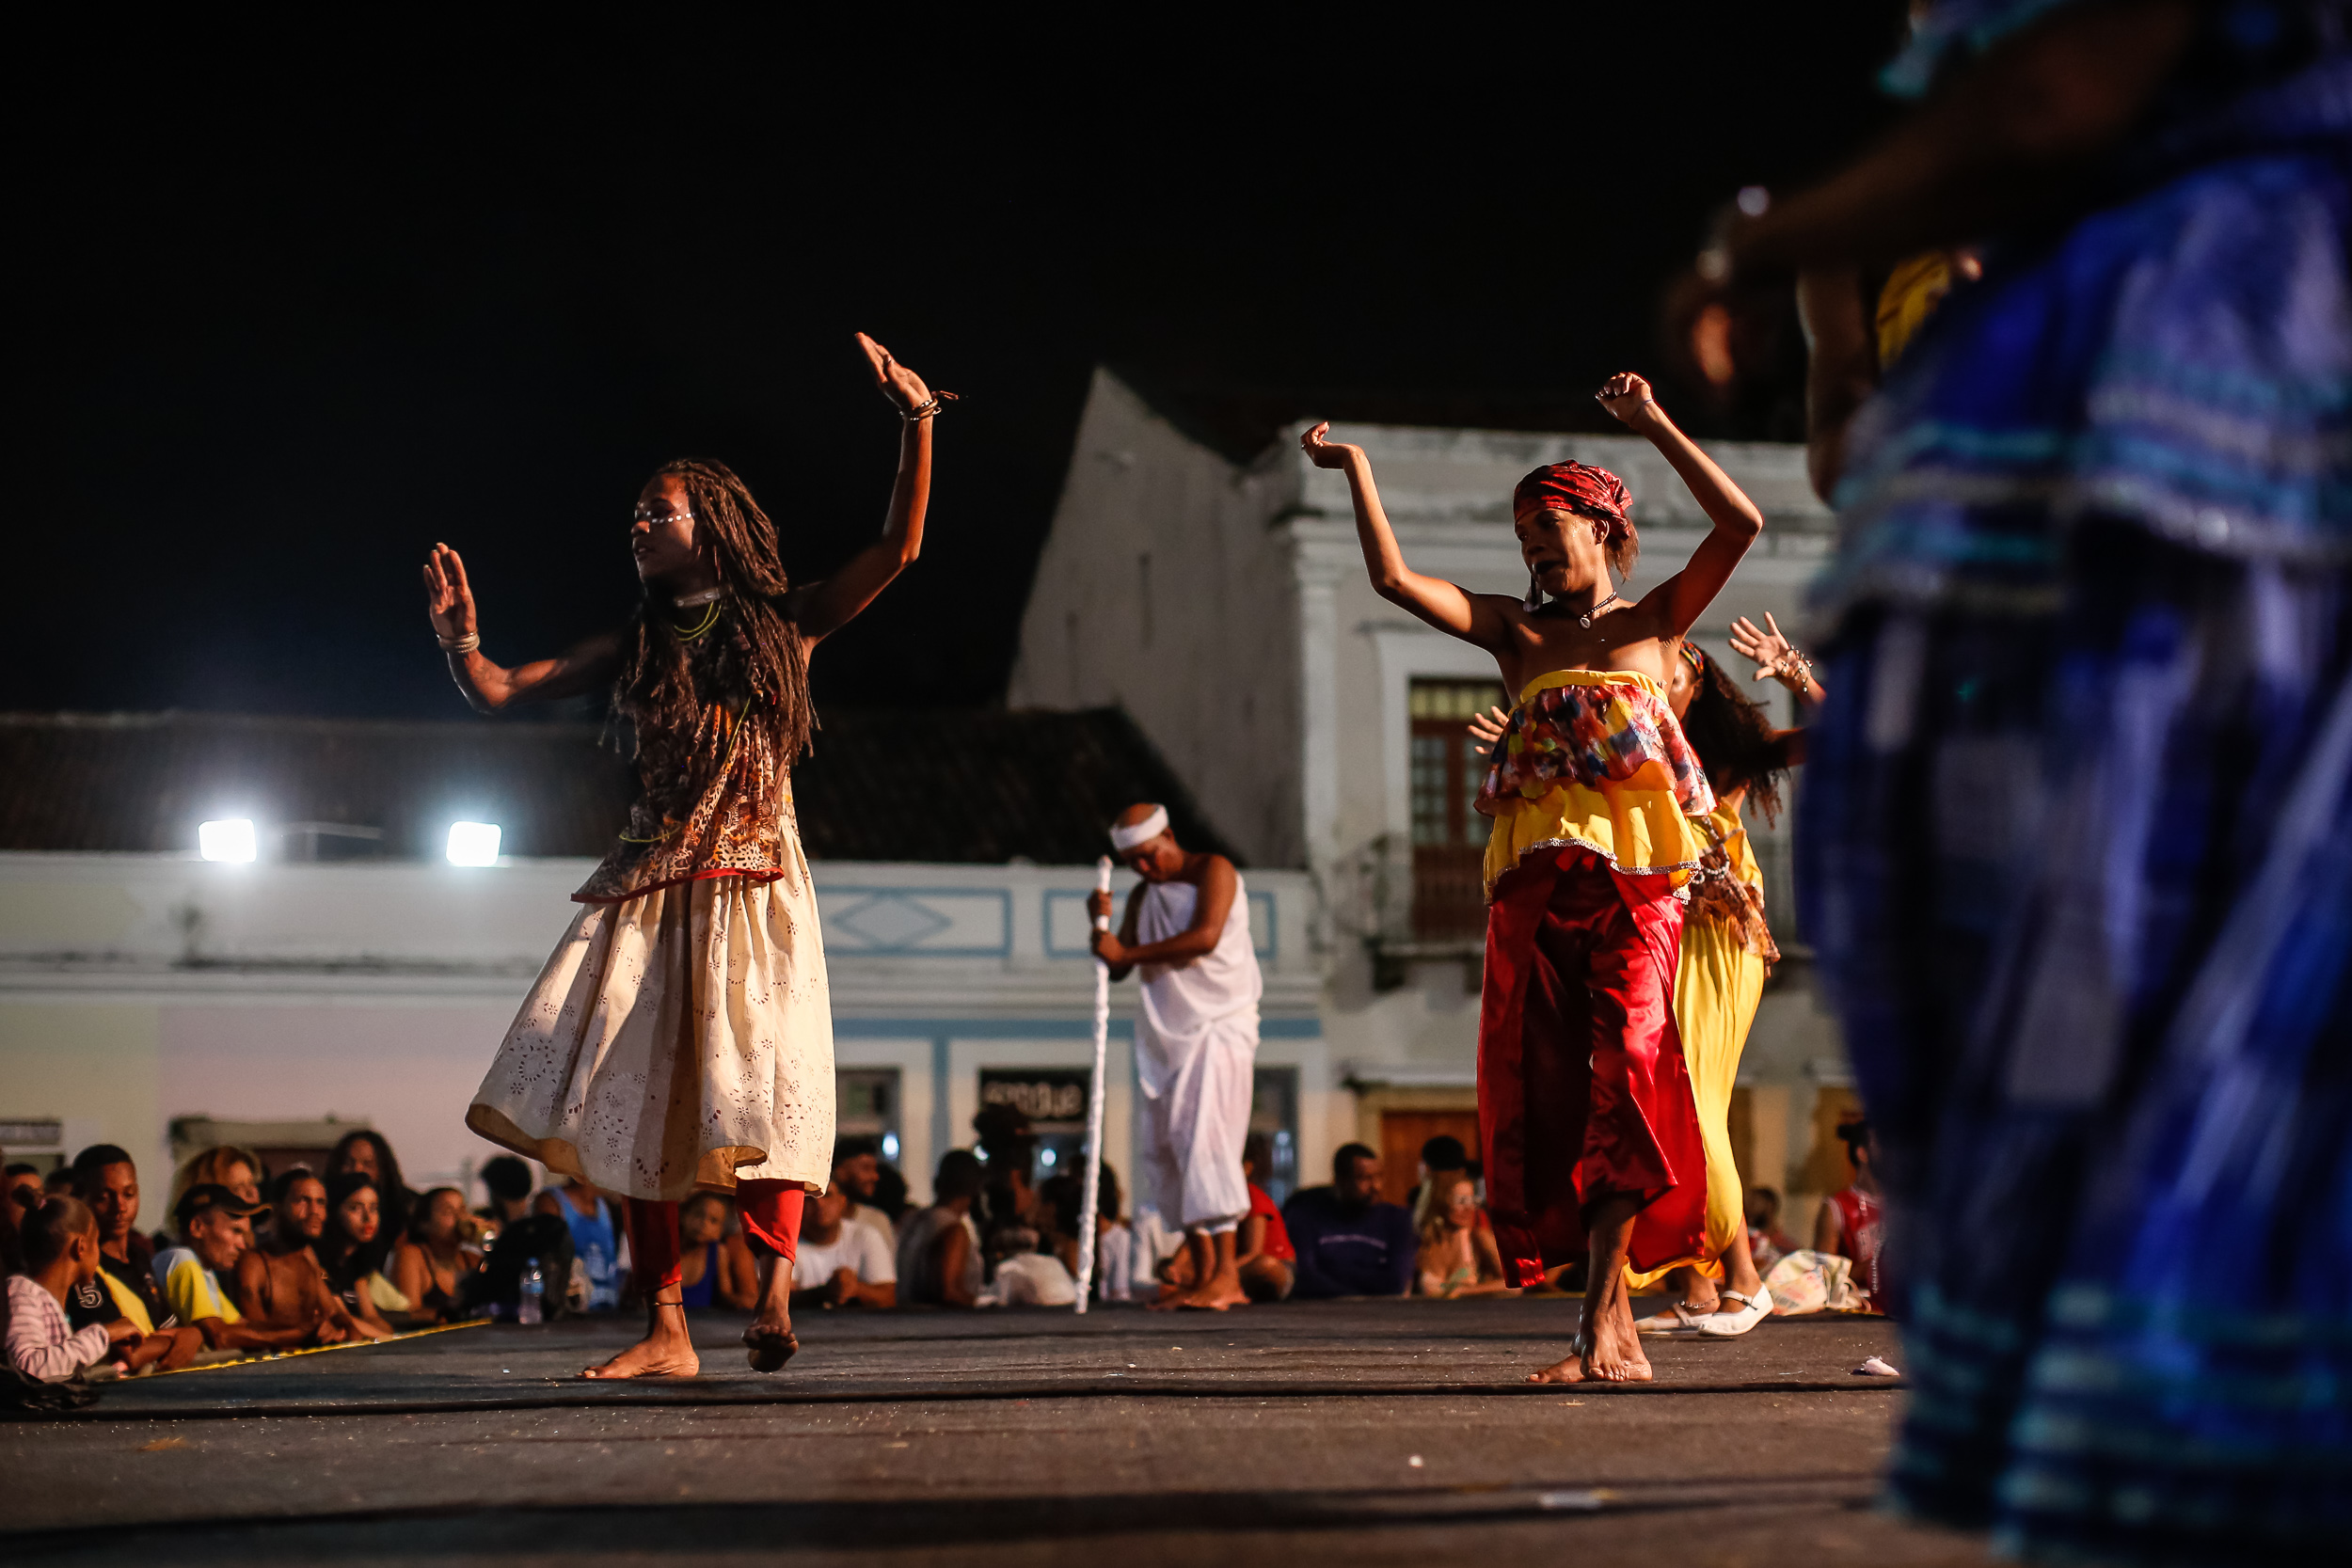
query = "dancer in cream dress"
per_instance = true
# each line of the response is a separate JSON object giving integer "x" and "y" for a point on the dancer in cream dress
{"x": 681, "y": 1036}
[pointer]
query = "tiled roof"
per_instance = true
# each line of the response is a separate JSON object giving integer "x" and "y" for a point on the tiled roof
{"x": 970, "y": 786}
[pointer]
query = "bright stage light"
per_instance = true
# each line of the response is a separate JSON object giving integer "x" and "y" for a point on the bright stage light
{"x": 890, "y": 1146}
{"x": 1045, "y": 1158}
{"x": 230, "y": 839}
{"x": 473, "y": 844}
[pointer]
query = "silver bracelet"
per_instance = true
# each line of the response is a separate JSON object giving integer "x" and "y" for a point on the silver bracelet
{"x": 464, "y": 645}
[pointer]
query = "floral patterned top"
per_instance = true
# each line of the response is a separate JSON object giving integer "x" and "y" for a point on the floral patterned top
{"x": 1595, "y": 757}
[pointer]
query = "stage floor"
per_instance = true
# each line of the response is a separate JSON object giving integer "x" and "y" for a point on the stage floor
{"x": 1355, "y": 1432}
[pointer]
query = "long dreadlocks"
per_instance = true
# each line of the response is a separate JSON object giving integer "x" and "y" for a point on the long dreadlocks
{"x": 753, "y": 652}
{"x": 1733, "y": 736}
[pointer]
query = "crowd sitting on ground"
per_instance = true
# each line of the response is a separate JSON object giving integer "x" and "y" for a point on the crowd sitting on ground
{"x": 255, "y": 1263}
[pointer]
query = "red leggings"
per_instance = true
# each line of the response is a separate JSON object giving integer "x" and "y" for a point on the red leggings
{"x": 770, "y": 1211}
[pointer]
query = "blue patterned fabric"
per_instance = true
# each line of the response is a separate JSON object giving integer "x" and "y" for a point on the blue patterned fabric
{"x": 2076, "y": 849}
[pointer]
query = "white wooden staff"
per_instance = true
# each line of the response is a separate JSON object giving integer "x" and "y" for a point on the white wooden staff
{"x": 1094, "y": 1101}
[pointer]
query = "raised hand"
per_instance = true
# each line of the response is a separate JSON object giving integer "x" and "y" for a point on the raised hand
{"x": 448, "y": 597}
{"x": 1628, "y": 398}
{"x": 1768, "y": 649}
{"x": 902, "y": 387}
{"x": 1327, "y": 455}
{"x": 1487, "y": 726}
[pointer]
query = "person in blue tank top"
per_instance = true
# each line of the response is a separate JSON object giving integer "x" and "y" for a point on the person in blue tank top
{"x": 595, "y": 1242}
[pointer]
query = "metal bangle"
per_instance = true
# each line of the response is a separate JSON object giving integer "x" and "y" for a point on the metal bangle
{"x": 464, "y": 645}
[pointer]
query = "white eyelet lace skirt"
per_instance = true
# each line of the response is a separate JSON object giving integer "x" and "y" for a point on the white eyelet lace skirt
{"x": 683, "y": 1038}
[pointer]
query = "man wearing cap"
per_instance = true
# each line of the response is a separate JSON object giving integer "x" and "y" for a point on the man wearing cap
{"x": 1187, "y": 928}
{"x": 217, "y": 1226}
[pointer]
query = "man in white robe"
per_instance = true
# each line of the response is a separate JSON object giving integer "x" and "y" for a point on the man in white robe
{"x": 1187, "y": 929}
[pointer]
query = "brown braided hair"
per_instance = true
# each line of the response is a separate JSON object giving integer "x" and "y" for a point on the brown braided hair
{"x": 755, "y": 651}
{"x": 1734, "y": 736}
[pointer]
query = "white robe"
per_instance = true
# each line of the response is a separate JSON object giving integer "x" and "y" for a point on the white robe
{"x": 1196, "y": 1050}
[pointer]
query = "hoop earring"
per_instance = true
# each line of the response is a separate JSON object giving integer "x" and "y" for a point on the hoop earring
{"x": 1534, "y": 591}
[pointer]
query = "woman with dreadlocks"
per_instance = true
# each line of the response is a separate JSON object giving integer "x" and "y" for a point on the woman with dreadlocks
{"x": 681, "y": 1036}
{"x": 1727, "y": 951}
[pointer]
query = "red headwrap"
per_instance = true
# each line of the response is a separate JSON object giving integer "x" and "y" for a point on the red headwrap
{"x": 1577, "y": 487}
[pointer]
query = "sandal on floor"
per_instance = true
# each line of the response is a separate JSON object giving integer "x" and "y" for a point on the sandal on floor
{"x": 1726, "y": 1326}
{"x": 770, "y": 1352}
{"x": 1677, "y": 1319}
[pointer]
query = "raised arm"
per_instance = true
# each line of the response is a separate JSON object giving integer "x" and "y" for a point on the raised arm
{"x": 1472, "y": 617}
{"x": 824, "y": 608}
{"x": 488, "y": 687}
{"x": 1682, "y": 598}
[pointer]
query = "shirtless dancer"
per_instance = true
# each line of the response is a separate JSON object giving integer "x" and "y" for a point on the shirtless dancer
{"x": 1584, "y": 1106}
{"x": 1188, "y": 926}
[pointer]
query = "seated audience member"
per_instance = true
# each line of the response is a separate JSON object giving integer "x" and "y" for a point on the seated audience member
{"x": 1457, "y": 1258}
{"x": 1025, "y": 1276}
{"x": 61, "y": 1183}
{"x": 352, "y": 1250}
{"x": 280, "y": 1281}
{"x": 11, "y": 1246}
{"x": 1442, "y": 1155}
{"x": 1349, "y": 1242}
{"x": 124, "y": 1286}
{"x": 364, "y": 1152}
{"x": 841, "y": 1263}
{"x": 1767, "y": 1243}
{"x": 509, "y": 1181}
{"x": 1262, "y": 1251}
{"x": 595, "y": 1239}
{"x": 1060, "y": 1202}
{"x": 715, "y": 1264}
{"x": 215, "y": 1226}
{"x": 24, "y": 1188}
{"x": 1008, "y": 1151}
{"x": 226, "y": 1165}
{"x": 60, "y": 1244}
{"x": 939, "y": 1247}
{"x": 857, "y": 1171}
{"x": 1848, "y": 1225}
{"x": 890, "y": 1195}
{"x": 430, "y": 1262}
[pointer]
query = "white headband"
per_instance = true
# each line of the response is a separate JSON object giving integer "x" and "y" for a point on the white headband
{"x": 1152, "y": 827}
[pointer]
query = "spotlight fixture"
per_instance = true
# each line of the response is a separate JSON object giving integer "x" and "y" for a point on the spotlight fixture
{"x": 230, "y": 839}
{"x": 473, "y": 844}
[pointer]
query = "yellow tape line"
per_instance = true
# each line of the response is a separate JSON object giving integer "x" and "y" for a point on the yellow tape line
{"x": 316, "y": 1350}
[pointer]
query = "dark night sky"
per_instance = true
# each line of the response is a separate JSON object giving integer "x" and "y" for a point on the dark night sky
{"x": 295, "y": 320}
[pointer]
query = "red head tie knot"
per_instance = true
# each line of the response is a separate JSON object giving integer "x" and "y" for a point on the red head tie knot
{"x": 1577, "y": 487}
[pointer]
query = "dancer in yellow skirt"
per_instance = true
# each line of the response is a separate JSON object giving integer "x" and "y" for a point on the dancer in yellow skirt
{"x": 1727, "y": 951}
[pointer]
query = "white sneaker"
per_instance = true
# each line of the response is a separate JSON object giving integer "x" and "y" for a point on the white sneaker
{"x": 1752, "y": 1310}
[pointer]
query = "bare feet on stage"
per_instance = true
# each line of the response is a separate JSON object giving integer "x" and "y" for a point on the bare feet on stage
{"x": 1212, "y": 1264}
{"x": 771, "y": 1339}
{"x": 1607, "y": 1348}
{"x": 666, "y": 1350}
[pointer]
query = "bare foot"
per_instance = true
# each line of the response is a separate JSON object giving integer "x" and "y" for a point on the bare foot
{"x": 1612, "y": 1348}
{"x": 1571, "y": 1370}
{"x": 664, "y": 1352}
{"x": 1223, "y": 1290}
{"x": 770, "y": 1340}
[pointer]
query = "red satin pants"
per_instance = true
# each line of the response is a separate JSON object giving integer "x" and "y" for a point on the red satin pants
{"x": 1582, "y": 1092}
{"x": 770, "y": 1212}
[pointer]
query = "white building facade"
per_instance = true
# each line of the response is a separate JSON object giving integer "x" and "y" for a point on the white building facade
{"x": 164, "y": 1002}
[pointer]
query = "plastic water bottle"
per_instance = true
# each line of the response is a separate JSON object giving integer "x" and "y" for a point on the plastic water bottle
{"x": 534, "y": 1290}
